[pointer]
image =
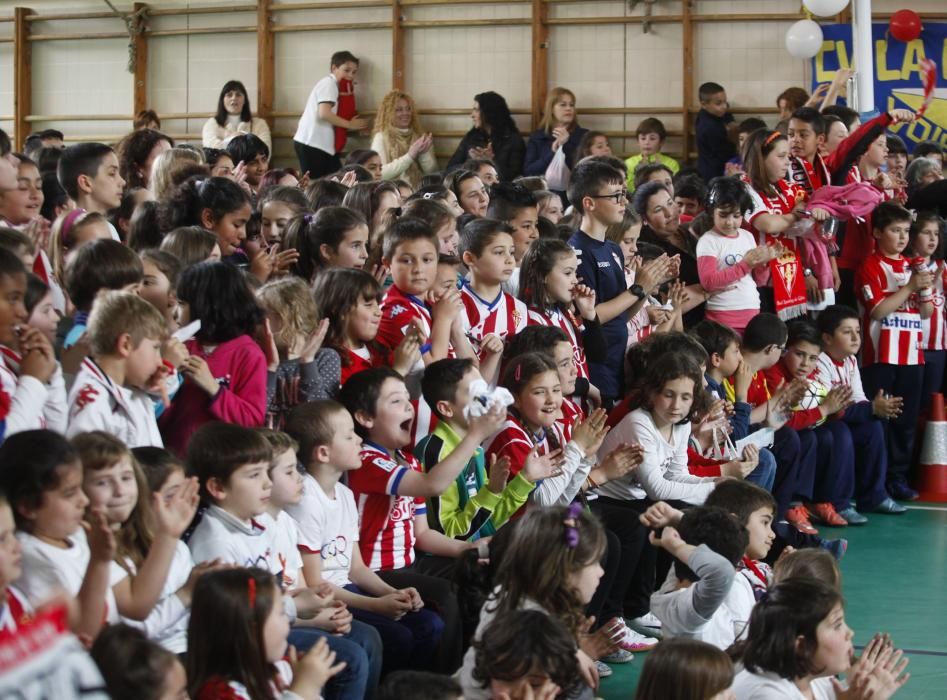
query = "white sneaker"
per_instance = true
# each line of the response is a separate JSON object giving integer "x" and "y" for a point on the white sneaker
{"x": 648, "y": 621}
{"x": 619, "y": 656}
{"x": 633, "y": 641}
{"x": 604, "y": 670}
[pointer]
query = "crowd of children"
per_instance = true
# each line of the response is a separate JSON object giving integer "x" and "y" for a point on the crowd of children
{"x": 455, "y": 435}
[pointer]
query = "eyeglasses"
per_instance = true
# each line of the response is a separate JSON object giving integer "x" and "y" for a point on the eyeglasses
{"x": 616, "y": 197}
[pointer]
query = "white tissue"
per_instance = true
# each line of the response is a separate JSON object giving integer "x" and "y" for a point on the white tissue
{"x": 483, "y": 397}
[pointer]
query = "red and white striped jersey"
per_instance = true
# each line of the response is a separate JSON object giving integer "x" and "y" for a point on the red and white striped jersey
{"x": 572, "y": 413}
{"x": 515, "y": 441}
{"x": 505, "y": 316}
{"x": 832, "y": 373}
{"x": 398, "y": 310}
{"x": 386, "y": 520}
{"x": 639, "y": 326}
{"x": 935, "y": 333}
{"x": 573, "y": 328}
{"x": 897, "y": 338}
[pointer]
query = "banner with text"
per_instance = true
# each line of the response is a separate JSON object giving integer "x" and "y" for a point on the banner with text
{"x": 897, "y": 74}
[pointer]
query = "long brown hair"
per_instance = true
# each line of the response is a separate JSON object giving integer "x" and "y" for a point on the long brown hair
{"x": 542, "y": 557}
{"x": 100, "y": 450}
{"x": 684, "y": 669}
{"x": 225, "y": 633}
{"x": 758, "y": 146}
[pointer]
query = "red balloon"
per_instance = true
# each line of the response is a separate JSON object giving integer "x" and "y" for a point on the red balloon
{"x": 905, "y": 25}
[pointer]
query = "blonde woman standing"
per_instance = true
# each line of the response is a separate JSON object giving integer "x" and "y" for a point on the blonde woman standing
{"x": 407, "y": 152}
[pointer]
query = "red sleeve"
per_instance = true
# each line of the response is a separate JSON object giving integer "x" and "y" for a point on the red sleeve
{"x": 395, "y": 318}
{"x": 698, "y": 465}
{"x": 244, "y": 401}
{"x": 378, "y": 474}
{"x": 510, "y": 444}
{"x": 869, "y": 284}
{"x": 840, "y": 161}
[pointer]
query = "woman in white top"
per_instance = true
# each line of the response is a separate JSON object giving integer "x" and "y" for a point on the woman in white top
{"x": 233, "y": 118}
{"x": 407, "y": 152}
{"x": 798, "y": 643}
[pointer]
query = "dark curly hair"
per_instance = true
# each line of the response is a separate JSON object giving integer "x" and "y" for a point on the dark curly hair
{"x": 495, "y": 113}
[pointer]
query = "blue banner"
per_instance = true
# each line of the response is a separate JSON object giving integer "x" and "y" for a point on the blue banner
{"x": 897, "y": 75}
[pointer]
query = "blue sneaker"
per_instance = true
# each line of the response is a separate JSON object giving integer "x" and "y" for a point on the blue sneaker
{"x": 836, "y": 548}
{"x": 853, "y": 517}
{"x": 900, "y": 491}
{"x": 889, "y": 506}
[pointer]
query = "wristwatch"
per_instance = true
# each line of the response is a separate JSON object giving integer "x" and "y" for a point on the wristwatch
{"x": 807, "y": 272}
{"x": 637, "y": 290}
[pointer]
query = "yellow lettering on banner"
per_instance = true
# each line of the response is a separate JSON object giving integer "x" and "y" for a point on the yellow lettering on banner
{"x": 828, "y": 47}
{"x": 913, "y": 55}
{"x": 881, "y": 62}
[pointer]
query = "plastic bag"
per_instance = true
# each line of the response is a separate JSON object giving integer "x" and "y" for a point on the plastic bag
{"x": 558, "y": 173}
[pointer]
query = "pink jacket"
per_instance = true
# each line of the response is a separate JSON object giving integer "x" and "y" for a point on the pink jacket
{"x": 240, "y": 369}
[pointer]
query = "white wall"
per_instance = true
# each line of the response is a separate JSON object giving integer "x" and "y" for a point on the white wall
{"x": 613, "y": 65}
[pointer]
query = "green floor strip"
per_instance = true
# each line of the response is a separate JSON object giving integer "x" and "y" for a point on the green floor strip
{"x": 894, "y": 577}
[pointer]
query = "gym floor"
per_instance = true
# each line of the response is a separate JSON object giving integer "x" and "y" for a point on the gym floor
{"x": 894, "y": 577}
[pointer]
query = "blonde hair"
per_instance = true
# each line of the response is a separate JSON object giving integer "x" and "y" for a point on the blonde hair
{"x": 549, "y": 121}
{"x": 162, "y": 170}
{"x": 63, "y": 239}
{"x": 290, "y": 300}
{"x": 385, "y": 116}
{"x": 115, "y": 313}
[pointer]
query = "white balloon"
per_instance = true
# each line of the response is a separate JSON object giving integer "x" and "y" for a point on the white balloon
{"x": 804, "y": 38}
{"x": 825, "y": 8}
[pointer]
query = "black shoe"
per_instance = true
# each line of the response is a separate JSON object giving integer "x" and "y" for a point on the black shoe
{"x": 900, "y": 491}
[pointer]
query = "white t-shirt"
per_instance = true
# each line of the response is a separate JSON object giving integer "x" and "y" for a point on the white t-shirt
{"x": 741, "y": 294}
{"x": 286, "y": 547}
{"x": 167, "y": 622}
{"x": 769, "y": 686}
{"x": 48, "y": 569}
{"x": 313, "y": 131}
{"x": 663, "y": 474}
{"x": 220, "y": 535}
{"x": 328, "y": 527}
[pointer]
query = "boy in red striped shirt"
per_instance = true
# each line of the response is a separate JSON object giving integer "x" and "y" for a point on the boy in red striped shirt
{"x": 894, "y": 299}
{"x": 390, "y": 489}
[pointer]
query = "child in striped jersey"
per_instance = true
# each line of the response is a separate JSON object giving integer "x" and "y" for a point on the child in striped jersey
{"x": 838, "y": 365}
{"x": 533, "y": 428}
{"x": 926, "y": 242}
{"x": 391, "y": 488}
{"x": 492, "y": 315}
{"x": 895, "y": 298}
{"x": 551, "y": 291}
{"x": 350, "y": 299}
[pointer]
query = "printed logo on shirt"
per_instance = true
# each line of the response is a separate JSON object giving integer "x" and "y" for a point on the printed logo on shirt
{"x": 397, "y": 310}
{"x": 85, "y": 396}
{"x": 401, "y": 509}
{"x": 337, "y": 549}
{"x": 385, "y": 464}
{"x": 604, "y": 263}
{"x": 732, "y": 259}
